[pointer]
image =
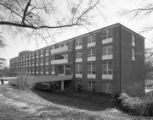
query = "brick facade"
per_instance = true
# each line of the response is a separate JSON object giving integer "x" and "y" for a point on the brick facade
{"x": 107, "y": 60}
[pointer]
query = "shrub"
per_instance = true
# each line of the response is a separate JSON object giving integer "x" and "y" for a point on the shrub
{"x": 136, "y": 105}
{"x": 23, "y": 81}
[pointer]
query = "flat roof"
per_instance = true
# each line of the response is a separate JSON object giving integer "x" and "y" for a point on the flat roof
{"x": 76, "y": 37}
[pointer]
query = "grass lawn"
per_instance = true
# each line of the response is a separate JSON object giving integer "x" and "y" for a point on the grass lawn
{"x": 41, "y": 105}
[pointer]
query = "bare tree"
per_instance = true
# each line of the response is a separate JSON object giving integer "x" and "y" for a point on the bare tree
{"x": 2, "y": 45}
{"x": 43, "y": 14}
{"x": 143, "y": 11}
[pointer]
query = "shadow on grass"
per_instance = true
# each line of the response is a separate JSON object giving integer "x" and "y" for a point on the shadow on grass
{"x": 86, "y": 101}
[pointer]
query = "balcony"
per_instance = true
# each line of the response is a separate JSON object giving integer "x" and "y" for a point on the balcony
{"x": 60, "y": 61}
{"x": 47, "y": 54}
{"x": 91, "y": 76}
{"x": 43, "y": 78}
{"x": 78, "y": 47}
{"x": 78, "y": 60}
{"x": 93, "y": 58}
{"x": 106, "y": 57}
{"x": 91, "y": 44}
{"x": 107, "y": 40}
{"x": 78, "y": 75}
{"x": 107, "y": 76}
{"x": 59, "y": 50}
{"x": 46, "y": 63}
{"x": 47, "y": 72}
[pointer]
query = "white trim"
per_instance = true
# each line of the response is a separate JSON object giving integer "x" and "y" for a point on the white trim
{"x": 47, "y": 54}
{"x": 53, "y": 72}
{"x": 60, "y": 61}
{"x": 105, "y": 57}
{"x": 78, "y": 60}
{"x": 47, "y": 72}
{"x": 47, "y": 63}
{"x": 107, "y": 76}
{"x": 93, "y": 58}
{"x": 78, "y": 47}
{"x": 91, "y": 44}
{"x": 91, "y": 76}
{"x": 107, "y": 40}
{"x": 78, "y": 75}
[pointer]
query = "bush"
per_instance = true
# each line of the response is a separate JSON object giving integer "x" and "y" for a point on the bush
{"x": 136, "y": 105}
{"x": 23, "y": 81}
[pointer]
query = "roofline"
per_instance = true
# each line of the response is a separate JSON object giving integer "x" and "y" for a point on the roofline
{"x": 110, "y": 26}
{"x": 131, "y": 30}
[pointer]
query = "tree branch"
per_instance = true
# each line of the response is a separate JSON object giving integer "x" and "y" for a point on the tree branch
{"x": 37, "y": 27}
{"x": 25, "y": 11}
{"x": 86, "y": 11}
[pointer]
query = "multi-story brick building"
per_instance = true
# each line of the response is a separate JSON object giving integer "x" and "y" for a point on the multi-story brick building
{"x": 108, "y": 60}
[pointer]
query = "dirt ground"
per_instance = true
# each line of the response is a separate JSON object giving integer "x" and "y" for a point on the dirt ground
{"x": 40, "y": 105}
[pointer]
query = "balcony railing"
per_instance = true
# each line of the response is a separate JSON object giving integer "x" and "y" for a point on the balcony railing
{"x": 43, "y": 78}
{"x": 91, "y": 44}
{"x": 60, "y": 61}
{"x": 91, "y": 76}
{"x": 78, "y": 75}
{"x": 105, "y": 57}
{"x": 59, "y": 50}
{"x": 107, "y": 40}
{"x": 107, "y": 76}
{"x": 78, "y": 47}
{"x": 93, "y": 58}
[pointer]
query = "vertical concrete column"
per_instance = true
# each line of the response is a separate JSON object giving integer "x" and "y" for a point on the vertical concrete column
{"x": 64, "y": 69}
{"x": 62, "y": 85}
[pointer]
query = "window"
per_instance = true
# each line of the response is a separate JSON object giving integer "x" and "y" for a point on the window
{"x": 41, "y": 52}
{"x": 133, "y": 40}
{"x": 91, "y": 38}
{"x": 91, "y": 68}
{"x": 91, "y": 52}
{"x": 91, "y": 86}
{"x": 107, "y": 67}
{"x": 62, "y": 45}
{"x": 41, "y": 60}
{"x": 56, "y": 46}
{"x": 109, "y": 33}
{"x": 78, "y": 42}
{"x": 47, "y": 69}
{"x": 107, "y": 36}
{"x": 78, "y": 54}
{"x": 37, "y": 61}
{"x": 107, "y": 50}
{"x": 103, "y": 34}
{"x": 37, "y": 53}
{"x": 47, "y": 60}
{"x": 47, "y": 51}
{"x": 53, "y": 69}
{"x": 65, "y": 56}
{"x": 106, "y": 87}
{"x": 78, "y": 68}
{"x": 133, "y": 54}
{"x": 37, "y": 70}
{"x": 41, "y": 69}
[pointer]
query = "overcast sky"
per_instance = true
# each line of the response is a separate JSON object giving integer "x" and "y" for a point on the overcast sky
{"x": 110, "y": 14}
